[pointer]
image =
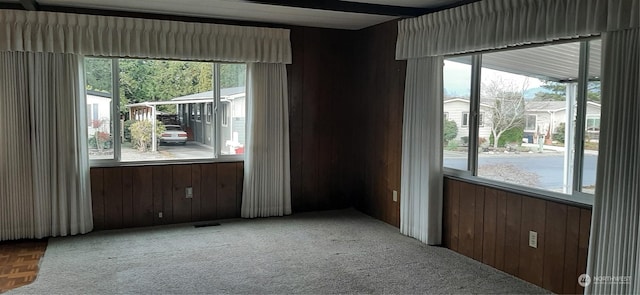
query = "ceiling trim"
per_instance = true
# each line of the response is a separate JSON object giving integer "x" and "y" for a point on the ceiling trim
{"x": 345, "y": 6}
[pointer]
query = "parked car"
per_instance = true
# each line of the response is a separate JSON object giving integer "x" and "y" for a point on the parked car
{"x": 173, "y": 134}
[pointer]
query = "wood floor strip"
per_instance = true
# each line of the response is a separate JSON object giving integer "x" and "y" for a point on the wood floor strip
{"x": 19, "y": 262}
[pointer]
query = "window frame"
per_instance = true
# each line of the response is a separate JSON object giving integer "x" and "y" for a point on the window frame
{"x": 471, "y": 174}
{"x": 116, "y": 161}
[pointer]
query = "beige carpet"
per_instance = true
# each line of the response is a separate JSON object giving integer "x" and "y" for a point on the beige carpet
{"x": 312, "y": 253}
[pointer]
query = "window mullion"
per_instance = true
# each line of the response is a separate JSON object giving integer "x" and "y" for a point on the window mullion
{"x": 474, "y": 110}
{"x": 115, "y": 109}
{"x": 581, "y": 112}
{"x": 217, "y": 109}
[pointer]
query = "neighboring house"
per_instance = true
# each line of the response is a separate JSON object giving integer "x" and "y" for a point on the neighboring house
{"x": 541, "y": 117}
{"x": 198, "y": 117}
{"x": 98, "y": 112}
{"x": 457, "y": 109}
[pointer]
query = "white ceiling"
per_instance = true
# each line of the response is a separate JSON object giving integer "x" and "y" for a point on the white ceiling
{"x": 246, "y": 11}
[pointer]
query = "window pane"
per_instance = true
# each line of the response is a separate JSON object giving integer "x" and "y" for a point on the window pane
{"x": 529, "y": 116}
{"x": 172, "y": 96}
{"x": 592, "y": 123}
{"x": 99, "y": 98}
{"x": 232, "y": 108}
{"x": 457, "y": 90}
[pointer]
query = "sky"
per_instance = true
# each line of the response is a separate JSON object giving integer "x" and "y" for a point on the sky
{"x": 457, "y": 78}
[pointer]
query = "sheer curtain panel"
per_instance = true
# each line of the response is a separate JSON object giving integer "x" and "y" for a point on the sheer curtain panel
{"x": 615, "y": 235}
{"x": 44, "y": 181}
{"x": 421, "y": 185}
{"x": 267, "y": 183}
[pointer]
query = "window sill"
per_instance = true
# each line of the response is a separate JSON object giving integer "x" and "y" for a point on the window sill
{"x": 112, "y": 163}
{"x": 578, "y": 199}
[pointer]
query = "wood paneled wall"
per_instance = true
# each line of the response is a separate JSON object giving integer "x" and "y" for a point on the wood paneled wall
{"x": 125, "y": 197}
{"x": 321, "y": 113}
{"x": 378, "y": 122}
{"x": 492, "y": 226}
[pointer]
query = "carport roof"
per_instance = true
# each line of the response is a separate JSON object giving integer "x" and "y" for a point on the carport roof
{"x": 554, "y": 62}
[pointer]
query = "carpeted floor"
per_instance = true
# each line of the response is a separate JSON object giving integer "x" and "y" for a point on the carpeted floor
{"x": 324, "y": 252}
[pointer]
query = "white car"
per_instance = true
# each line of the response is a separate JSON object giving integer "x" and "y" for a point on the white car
{"x": 173, "y": 134}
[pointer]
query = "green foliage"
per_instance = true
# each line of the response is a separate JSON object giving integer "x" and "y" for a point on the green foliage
{"x": 127, "y": 129}
{"x": 558, "y": 135}
{"x": 141, "y": 134}
{"x": 98, "y": 74}
{"x": 143, "y": 80}
{"x": 557, "y": 91}
{"x": 453, "y": 144}
{"x": 450, "y": 131}
{"x": 512, "y": 135}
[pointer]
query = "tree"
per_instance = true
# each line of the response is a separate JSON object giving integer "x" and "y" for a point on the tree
{"x": 556, "y": 91}
{"x": 507, "y": 106}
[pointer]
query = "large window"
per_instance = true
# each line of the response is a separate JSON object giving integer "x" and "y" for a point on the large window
{"x": 152, "y": 110}
{"x": 531, "y": 105}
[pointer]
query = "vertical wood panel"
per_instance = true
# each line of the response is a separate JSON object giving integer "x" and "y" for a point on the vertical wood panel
{"x": 113, "y": 198}
{"x": 572, "y": 238}
{"x": 554, "y": 247}
{"x": 239, "y": 186}
{"x": 467, "y": 219}
{"x": 478, "y": 231}
{"x": 446, "y": 213}
{"x": 127, "y": 197}
{"x": 181, "y": 204}
{"x": 295, "y": 74}
{"x": 196, "y": 202}
{"x": 208, "y": 191}
{"x": 532, "y": 259}
{"x": 455, "y": 215}
{"x": 97, "y": 197}
{"x": 512, "y": 234}
{"x": 143, "y": 208}
{"x": 167, "y": 194}
{"x": 501, "y": 229}
{"x": 158, "y": 200}
{"x": 489, "y": 227}
{"x": 226, "y": 190}
{"x": 583, "y": 245}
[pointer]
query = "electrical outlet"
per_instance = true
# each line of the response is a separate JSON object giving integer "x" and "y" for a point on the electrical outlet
{"x": 395, "y": 195}
{"x": 159, "y": 214}
{"x": 533, "y": 239}
{"x": 189, "y": 192}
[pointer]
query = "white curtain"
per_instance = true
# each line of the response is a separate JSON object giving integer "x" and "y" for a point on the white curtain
{"x": 44, "y": 181}
{"x": 491, "y": 24}
{"x": 615, "y": 236}
{"x": 421, "y": 186}
{"x": 39, "y": 31}
{"x": 267, "y": 182}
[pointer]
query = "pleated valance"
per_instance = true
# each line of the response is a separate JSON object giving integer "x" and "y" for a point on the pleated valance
{"x": 30, "y": 31}
{"x": 490, "y": 24}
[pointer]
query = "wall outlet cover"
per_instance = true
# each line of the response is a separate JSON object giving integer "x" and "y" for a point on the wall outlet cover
{"x": 533, "y": 239}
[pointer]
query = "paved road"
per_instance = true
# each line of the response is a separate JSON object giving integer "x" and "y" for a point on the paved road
{"x": 549, "y": 167}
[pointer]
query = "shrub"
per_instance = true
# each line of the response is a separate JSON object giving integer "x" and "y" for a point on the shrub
{"x": 513, "y": 135}
{"x": 141, "y": 134}
{"x": 127, "y": 130}
{"x": 559, "y": 134}
{"x": 100, "y": 140}
{"x": 450, "y": 131}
